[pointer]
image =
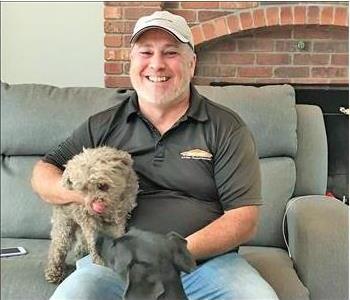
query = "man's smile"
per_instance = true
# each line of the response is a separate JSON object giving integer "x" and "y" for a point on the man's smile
{"x": 157, "y": 78}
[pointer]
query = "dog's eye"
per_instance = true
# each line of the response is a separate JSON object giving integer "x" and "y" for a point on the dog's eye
{"x": 103, "y": 187}
{"x": 69, "y": 182}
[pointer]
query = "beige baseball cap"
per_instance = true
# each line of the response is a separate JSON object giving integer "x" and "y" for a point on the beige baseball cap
{"x": 174, "y": 24}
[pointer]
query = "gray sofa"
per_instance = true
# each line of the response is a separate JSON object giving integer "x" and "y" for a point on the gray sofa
{"x": 292, "y": 146}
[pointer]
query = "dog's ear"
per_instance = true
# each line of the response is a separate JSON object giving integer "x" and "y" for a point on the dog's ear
{"x": 183, "y": 259}
{"x": 125, "y": 158}
{"x": 140, "y": 280}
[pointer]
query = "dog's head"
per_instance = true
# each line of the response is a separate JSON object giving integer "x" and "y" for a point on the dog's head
{"x": 146, "y": 260}
{"x": 105, "y": 176}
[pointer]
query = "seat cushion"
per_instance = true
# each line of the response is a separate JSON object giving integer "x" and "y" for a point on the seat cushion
{"x": 22, "y": 277}
{"x": 276, "y": 268}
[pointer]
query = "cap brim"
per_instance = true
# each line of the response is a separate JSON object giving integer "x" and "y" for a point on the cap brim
{"x": 178, "y": 36}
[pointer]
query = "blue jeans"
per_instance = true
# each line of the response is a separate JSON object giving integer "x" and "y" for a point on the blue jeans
{"x": 226, "y": 277}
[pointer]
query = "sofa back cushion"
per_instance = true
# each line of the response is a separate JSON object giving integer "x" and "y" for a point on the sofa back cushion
{"x": 35, "y": 118}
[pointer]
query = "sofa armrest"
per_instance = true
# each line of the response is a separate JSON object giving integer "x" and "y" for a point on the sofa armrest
{"x": 318, "y": 240}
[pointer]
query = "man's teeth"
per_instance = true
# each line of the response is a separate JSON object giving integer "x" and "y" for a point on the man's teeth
{"x": 157, "y": 79}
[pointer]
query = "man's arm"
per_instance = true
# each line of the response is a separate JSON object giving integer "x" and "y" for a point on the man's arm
{"x": 233, "y": 228}
{"x": 46, "y": 182}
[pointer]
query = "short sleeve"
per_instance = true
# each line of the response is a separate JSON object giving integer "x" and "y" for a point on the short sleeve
{"x": 237, "y": 170}
{"x": 74, "y": 144}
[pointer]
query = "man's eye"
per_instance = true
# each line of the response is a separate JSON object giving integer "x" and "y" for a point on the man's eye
{"x": 145, "y": 53}
{"x": 171, "y": 53}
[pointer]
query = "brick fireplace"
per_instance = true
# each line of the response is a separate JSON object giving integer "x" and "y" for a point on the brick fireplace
{"x": 244, "y": 42}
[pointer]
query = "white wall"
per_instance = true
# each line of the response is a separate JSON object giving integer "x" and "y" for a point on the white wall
{"x": 52, "y": 43}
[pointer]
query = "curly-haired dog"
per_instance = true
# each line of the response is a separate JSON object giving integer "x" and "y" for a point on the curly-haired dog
{"x": 107, "y": 180}
{"x": 150, "y": 263}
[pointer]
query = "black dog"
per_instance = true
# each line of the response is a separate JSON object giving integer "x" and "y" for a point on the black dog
{"x": 150, "y": 263}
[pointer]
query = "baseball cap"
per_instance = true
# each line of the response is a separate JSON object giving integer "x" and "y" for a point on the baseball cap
{"x": 174, "y": 24}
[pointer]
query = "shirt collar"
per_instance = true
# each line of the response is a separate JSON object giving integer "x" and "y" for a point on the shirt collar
{"x": 196, "y": 111}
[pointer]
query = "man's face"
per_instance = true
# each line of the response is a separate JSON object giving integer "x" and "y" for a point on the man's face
{"x": 161, "y": 68}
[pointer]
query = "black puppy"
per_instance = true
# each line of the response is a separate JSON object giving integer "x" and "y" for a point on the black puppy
{"x": 150, "y": 263}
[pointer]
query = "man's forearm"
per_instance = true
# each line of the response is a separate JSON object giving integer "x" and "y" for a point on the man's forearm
{"x": 230, "y": 230}
{"x": 46, "y": 182}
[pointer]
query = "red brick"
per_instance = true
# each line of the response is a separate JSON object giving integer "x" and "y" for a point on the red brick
{"x": 233, "y": 23}
{"x": 310, "y": 59}
{"x": 313, "y": 15}
{"x": 133, "y": 13}
{"x": 113, "y": 68}
{"x": 221, "y": 27}
{"x": 116, "y": 54}
{"x": 254, "y": 72}
{"x": 341, "y": 16}
{"x": 314, "y": 32}
{"x": 327, "y": 72}
{"x": 272, "y": 59}
{"x": 189, "y": 15}
{"x": 331, "y": 47}
{"x": 113, "y": 40}
{"x": 227, "y": 45}
{"x": 200, "y": 4}
{"x": 340, "y": 59}
{"x": 246, "y": 20}
{"x": 255, "y": 44}
{"x": 259, "y": 18}
{"x": 272, "y": 16}
{"x": 126, "y": 40}
{"x": 207, "y": 57}
{"x": 205, "y": 15}
{"x": 289, "y": 72}
{"x": 299, "y": 15}
{"x": 208, "y": 29}
{"x": 236, "y": 4}
{"x": 112, "y": 12}
{"x": 157, "y": 4}
{"x": 198, "y": 80}
{"x": 117, "y": 81}
{"x": 237, "y": 58}
{"x": 286, "y": 15}
{"x": 274, "y": 33}
{"x": 327, "y": 15}
{"x": 118, "y": 26}
{"x": 216, "y": 70}
{"x": 197, "y": 33}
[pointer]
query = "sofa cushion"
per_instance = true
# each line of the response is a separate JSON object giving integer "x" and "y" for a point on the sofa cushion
{"x": 23, "y": 214}
{"x": 277, "y": 269}
{"x": 268, "y": 111}
{"x": 278, "y": 180}
{"x": 35, "y": 117}
{"x": 22, "y": 277}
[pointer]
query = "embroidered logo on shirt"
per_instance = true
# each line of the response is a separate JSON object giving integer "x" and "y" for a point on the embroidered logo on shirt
{"x": 196, "y": 154}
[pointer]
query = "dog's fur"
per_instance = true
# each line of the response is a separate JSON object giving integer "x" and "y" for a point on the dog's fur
{"x": 150, "y": 263}
{"x": 106, "y": 178}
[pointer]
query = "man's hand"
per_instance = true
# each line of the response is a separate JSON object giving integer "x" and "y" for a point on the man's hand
{"x": 232, "y": 229}
{"x": 46, "y": 181}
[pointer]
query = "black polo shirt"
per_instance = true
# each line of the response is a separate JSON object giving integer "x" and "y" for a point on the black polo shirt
{"x": 205, "y": 164}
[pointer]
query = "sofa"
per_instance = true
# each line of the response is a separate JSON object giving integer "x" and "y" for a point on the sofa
{"x": 292, "y": 147}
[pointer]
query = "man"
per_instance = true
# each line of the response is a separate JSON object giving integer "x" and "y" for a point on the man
{"x": 197, "y": 166}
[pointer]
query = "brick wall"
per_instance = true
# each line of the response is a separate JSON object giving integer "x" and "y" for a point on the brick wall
{"x": 244, "y": 42}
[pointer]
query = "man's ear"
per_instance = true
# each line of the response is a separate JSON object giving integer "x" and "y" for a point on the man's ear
{"x": 183, "y": 259}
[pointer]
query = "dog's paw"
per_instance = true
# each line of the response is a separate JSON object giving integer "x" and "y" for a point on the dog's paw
{"x": 54, "y": 275}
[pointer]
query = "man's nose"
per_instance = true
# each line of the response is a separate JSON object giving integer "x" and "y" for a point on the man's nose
{"x": 157, "y": 61}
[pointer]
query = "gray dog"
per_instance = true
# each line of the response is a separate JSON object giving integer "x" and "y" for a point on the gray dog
{"x": 107, "y": 180}
{"x": 149, "y": 263}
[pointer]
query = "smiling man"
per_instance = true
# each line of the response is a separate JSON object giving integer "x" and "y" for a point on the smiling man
{"x": 197, "y": 166}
